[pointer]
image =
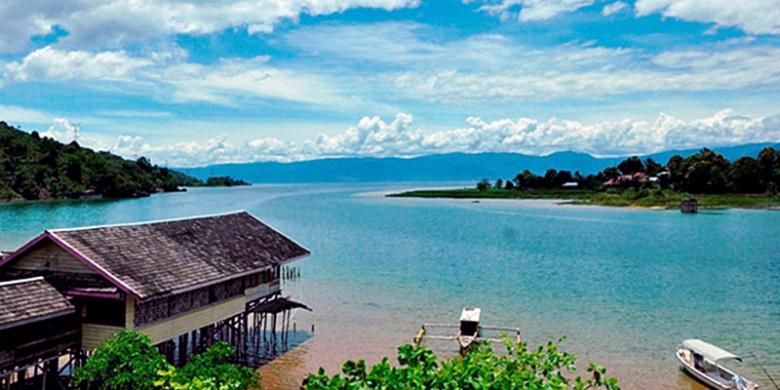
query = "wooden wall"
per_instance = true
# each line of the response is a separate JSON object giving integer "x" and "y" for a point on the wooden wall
{"x": 46, "y": 256}
{"x": 192, "y": 320}
{"x": 92, "y": 334}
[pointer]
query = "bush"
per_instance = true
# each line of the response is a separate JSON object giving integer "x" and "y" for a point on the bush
{"x": 543, "y": 368}
{"x": 129, "y": 361}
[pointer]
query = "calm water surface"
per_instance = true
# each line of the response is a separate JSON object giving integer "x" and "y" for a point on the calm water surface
{"x": 625, "y": 286}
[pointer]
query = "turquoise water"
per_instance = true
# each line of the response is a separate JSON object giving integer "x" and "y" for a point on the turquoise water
{"x": 624, "y": 285}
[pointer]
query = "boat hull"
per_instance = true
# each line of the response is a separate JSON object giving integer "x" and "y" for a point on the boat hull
{"x": 687, "y": 366}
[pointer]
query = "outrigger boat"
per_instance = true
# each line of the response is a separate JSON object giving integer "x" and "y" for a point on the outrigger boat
{"x": 469, "y": 330}
{"x": 703, "y": 361}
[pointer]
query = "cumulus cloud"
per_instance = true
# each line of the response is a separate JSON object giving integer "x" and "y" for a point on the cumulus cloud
{"x": 613, "y": 8}
{"x": 113, "y": 23}
{"x": 376, "y": 137}
{"x": 753, "y": 16}
{"x": 64, "y": 131}
{"x": 49, "y": 63}
{"x": 530, "y": 10}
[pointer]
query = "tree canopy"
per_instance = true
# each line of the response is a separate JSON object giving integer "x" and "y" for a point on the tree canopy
{"x": 705, "y": 172}
{"x": 546, "y": 367}
{"x": 39, "y": 168}
{"x": 128, "y": 361}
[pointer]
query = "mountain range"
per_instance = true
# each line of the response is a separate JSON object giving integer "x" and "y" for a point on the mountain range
{"x": 437, "y": 167}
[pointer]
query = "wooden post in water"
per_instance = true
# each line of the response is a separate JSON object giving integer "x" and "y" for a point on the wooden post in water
{"x": 183, "y": 342}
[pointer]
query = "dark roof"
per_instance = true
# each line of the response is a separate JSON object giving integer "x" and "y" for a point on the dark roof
{"x": 280, "y": 304}
{"x": 173, "y": 256}
{"x": 30, "y": 300}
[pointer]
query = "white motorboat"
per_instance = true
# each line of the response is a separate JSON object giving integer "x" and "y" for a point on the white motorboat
{"x": 703, "y": 361}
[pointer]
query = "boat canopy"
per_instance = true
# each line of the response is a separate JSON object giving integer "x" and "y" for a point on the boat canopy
{"x": 470, "y": 314}
{"x": 709, "y": 351}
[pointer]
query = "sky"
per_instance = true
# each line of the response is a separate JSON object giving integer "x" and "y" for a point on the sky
{"x": 188, "y": 84}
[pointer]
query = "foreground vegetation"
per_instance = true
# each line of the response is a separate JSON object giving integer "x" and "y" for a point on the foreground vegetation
{"x": 707, "y": 176}
{"x": 418, "y": 368}
{"x": 39, "y": 168}
{"x": 128, "y": 361}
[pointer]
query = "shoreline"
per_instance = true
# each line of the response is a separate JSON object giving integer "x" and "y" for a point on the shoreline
{"x": 642, "y": 200}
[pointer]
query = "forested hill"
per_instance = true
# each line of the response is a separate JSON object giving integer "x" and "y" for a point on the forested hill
{"x": 39, "y": 168}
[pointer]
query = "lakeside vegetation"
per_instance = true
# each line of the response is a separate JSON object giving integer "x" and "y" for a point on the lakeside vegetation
{"x": 707, "y": 176}
{"x": 546, "y": 367}
{"x": 128, "y": 361}
{"x": 39, "y": 168}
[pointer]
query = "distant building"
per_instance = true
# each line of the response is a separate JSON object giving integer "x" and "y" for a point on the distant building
{"x": 570, "y": 184}
{"x": 689, "y": 206}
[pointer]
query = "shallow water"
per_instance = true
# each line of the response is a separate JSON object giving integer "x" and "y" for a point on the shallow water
{"x": 624, "y": 285}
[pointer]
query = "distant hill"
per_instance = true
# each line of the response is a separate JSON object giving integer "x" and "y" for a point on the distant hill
{"x": 439, "y": 167}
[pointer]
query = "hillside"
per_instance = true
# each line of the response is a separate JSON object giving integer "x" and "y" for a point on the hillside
{"x": 442, "y": 167}
{"x": 40, "y": 168}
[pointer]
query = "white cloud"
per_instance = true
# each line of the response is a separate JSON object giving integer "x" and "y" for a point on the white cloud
{"x": 16, "y": 114}
{"x": 113, "y": 23}
{"x": 64, "y": 131}
{"x": 530, "y": 10}
{"x": 496, "y": 68}
{"x": 752, "y": 16}
{"x": 169, "y": 76}
{"x": 375, "y": 137}
{"x": 613, "y": 8}
{"x": 49, "y": 63}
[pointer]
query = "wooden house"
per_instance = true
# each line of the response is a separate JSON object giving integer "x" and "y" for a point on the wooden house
{"x": 37, "y": 324}
{"x": 197, "y": 277}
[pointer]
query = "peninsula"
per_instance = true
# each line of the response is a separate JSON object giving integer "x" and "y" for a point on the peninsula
{"x": 707, "y": 176}
{"x": 40, "y": 168}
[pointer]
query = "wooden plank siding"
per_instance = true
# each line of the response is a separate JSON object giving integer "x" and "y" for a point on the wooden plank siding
{"x": 92, "y": 334}
{"x": 47, "y": 256}
{"x": 159, "y": 331}
{"x": 187, "y": 322}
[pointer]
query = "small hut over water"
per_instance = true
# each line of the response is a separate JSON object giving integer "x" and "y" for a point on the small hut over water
{"x": 689, "y": 206}
{"x": 185, "y": 283}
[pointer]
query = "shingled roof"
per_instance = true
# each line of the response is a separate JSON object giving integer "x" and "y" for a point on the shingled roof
{"x": 172, "y": 256}
{"x": 29, "y": 300}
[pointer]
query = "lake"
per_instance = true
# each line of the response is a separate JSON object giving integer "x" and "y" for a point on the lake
{"x": 625, "y": 286}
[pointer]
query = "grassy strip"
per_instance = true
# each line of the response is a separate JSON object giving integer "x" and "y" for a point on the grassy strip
{"x": 655, "y": 198}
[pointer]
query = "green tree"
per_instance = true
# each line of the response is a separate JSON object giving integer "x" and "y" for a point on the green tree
{"x": 129, "y": 361}
{"x": 631, "y": 166}
{"x": 743, "y": 176}
{"x": 210, "y": 370}
{"x": 705, "y": 172}
{"x": 483, "y": 185}
{"x": 653, "y": 168}
{"x": 545, "y": 367}
{"x": 769, "y": 167}
{"x": 126, "y": 361}
{"x": 550, "y": 177}
{"x": 610, "y": 173}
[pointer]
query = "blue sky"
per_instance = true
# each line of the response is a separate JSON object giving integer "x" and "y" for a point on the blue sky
{"x": 242, "y": 80}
